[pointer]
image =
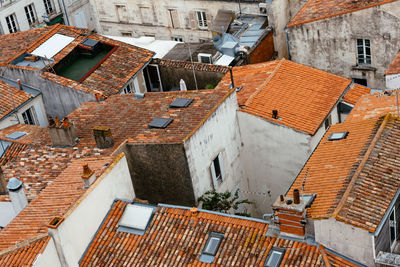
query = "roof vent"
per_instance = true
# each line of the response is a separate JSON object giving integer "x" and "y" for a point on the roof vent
{"x": 338, "y": 136}
{"x": 16, "y": 135}
{"x": 135, "y": 219}
{"x": 17, "y": 194}
{"x": 181, "y": 103}
{"x": 160, "y": 123}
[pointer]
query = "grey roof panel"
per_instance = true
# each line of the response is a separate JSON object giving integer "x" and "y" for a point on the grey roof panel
{"x": 160, "y": 123}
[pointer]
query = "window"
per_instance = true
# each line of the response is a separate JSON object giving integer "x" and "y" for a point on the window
{"x": 177, "y": 39}
{"x": 12, "y": 23}
{"x": 360, "y": 81}
{"x": 135, "y": 219}
{"x": 201, "y": 19}
{"x": 363, "y": 51}
{"x": 128, "y": 89}
{"x": 204, "y": 58}
{"x": 48, "y": 5}
{"x": 338, "y": 136}
{"x": 28, "y": 116}
{"x": 30, "y": 14}
{"x": 146, "y": 15}
{"x": 213, "y": 243}
{"x": 126, "y": 34}
{"x": 217, "y": 170}
{"x": 122, "y": 13}
{"x": 173, "y": 15}
{"x": 328, "y": 122}
{"x": 275, "y": 257}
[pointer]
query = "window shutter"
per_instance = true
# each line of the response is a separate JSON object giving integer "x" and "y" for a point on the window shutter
{"x": 221, "y": 165}
{"x": 175, "y": 18}
{"x": 213, "y": 175}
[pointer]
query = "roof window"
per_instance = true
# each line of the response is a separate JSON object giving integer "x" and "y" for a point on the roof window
{"x": 16, "y": 135}
{"x": 160, "y": 123}
{"x": 275, "y": 257}
{"x": 135, "y": 219}
{"x": 211, "y": 248}
{"x": 181, "y": 103}
{"x": 338, "y": 136}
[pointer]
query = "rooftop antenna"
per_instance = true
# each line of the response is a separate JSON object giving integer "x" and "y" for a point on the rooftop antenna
{"x": 191, "y": 60}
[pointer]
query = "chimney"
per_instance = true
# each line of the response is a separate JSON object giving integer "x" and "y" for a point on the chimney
{"x": 291, "y": 213}
{"x": 19, "y": 84}
{"x": 3, "y": 184}
{"x": 275, "y": 114}
{"x": 88, "y": 176}
{"x": 103, "y": 136}
{"x": 17, "y": 194}
{"x": 62, "y": 133}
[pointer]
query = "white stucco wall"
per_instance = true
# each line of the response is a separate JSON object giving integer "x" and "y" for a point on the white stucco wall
{"x": 82, "y": 221}
{"x": 345, "y": 239}
{"x": 219, "y": 133}
{"x": 41, "y": 116}
{"x": 48, "y": 257}
{"x": 273, "y": 155}
{"x": 160, "y": 22}
{"x": 17, "y": 7}
{"x": 393, "y": 81}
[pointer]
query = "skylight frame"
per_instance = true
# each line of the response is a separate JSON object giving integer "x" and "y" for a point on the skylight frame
{"x": 338, "y": 136}
{"x": 130, "y": 228}
{"x": 160, "y": 123}
{"x": 273, "y": 250}
{"x": 16, "y": 135}
{"x": 181, "y": 103}
{"x": 213, "y": 236}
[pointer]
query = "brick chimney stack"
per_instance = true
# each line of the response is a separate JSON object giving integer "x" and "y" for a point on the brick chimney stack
{"x": 103, "y": 136}
{"x": 62, "y": 133}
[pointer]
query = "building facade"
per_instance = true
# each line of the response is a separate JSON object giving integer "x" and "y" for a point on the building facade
{"x": 188, "y": 21}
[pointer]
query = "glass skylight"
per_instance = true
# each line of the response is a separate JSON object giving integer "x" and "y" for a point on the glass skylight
{"x": 136, "y": 216}
{"x": 275, "y": 257}
{"x": 213, "y": 243}
{"x": 338, "y": 136}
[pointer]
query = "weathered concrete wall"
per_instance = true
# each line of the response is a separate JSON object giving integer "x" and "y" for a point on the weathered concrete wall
{"x": 58, "y": 100}
{"x": 171, "y": 76}
{"x": 80, "y": 14}
{"x": 160, "y": 173}
{"x": 330, "y": 44}
{"x": 17, "y": 7}
{"x": 219, "y": 134}
{"x": 152, "y": 18}
{"x": 273, "y": 155}
{"x": 350, "y": 241}
{"x": 82, "y": 221}
{"x": 264, "y": 51}
{"x": 393, "y": 81}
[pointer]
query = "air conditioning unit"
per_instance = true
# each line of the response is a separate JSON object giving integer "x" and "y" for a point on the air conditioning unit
{"x": 263, "y": 8}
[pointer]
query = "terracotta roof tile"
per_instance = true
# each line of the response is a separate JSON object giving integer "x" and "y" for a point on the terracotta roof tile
{"x": 355, "y": 178}
{"x": 394, "y": 67}
{"x": 131, "y": 121}
{"x": 12, "y": 152}
{"x": 189, "y": 65}
{"x": 315, "y": 10}
{"x": 32, "y": 221}
{"x": 35, "y": 135}
{"x": 303, "y": 96}
{"x": 354, "y": 94}
{"x": 175, "y": 236}
{"x": 374, "y": 105}
{"x": 11, "y": 98}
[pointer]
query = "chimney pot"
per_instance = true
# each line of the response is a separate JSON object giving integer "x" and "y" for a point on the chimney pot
{"x": 281, "y": 198}
{"x": 275, "y": 114}
{"x": 17, "y": 194}
{"x": 296, "y": 196}
{"x": 88, "y": 175}
{"x": 103, "y": 136}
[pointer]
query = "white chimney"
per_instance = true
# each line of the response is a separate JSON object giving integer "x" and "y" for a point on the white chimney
{"x": 88, "y": 176}
{"x": 17, "y": 194}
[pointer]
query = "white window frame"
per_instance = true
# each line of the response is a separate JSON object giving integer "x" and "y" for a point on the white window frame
{"x": 128, "y": 88}
{"x": 364, "y": 57}
{"x": 12, "y": 23}
{"x": 328, "y": 122}
{"x": 217, "y": 180}
{"x": 201, "y": 17}
{"x": 203, "y": 55}
{"x": 30, "y": 14}
{"x": 48, "y": 6}
{"x": 26, "y": 119}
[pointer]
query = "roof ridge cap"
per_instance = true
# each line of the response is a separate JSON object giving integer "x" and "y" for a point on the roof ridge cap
{"x": 265, "y": 83}
{"x": 361, "y": 165}
{"x": 22, "y": 244}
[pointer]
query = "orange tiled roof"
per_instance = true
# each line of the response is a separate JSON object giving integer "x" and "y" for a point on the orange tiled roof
{"x": 374, "y": 105}
{"x": 356, "y": 178}
{"x": 12, "y": 152}
{"x": 250, "y": 77}
{"x": 109, "y": 77}
{"x": 131, "y": 121}
{"x": 32, "y": 221}
{"x": 354, "y": 94}
{"x": 24, "y": 254}
{"x": 35, "y": 135}
{"x": 394, "y": 67}
{"x": 11, "y": 98}
{"x": 315, "y": 10}
{"x": 176, "y": 236}
{"x": 303, "y": 96}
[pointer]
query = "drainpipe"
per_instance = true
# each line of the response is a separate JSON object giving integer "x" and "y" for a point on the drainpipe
{"x": 287, "y": 42}
{"x": 64, "y": 10}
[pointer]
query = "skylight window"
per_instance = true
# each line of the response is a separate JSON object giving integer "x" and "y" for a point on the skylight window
{"x": 136, "y": 217}
{"x": 275, "y": 257}
{"x": 16, "y": 135}
{"x": 181, "y": 103}
{"x": 160, "y": 123}
{"x": 338, "y": 136}
{"x": 212, "y": 245}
